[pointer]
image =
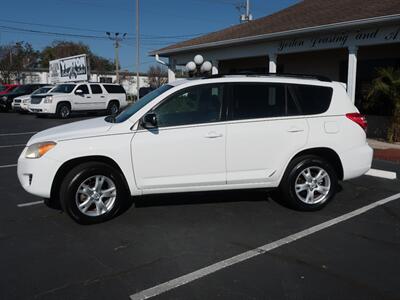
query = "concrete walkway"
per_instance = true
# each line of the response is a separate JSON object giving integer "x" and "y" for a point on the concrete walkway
{"x": 385, "y": 151}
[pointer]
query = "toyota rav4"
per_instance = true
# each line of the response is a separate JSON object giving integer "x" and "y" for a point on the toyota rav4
{"x": 297, "y": 135}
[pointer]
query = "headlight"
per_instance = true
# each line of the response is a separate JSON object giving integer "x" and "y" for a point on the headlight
{"x": 48, "y": 99}
{"x": 25, "y": 101}
{"x": 39, "y": 149}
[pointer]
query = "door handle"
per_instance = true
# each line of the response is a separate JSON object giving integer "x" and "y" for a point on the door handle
{"x": 88, "y": 97}
{"x": 102, "y": 96}
{"x": 213, "y": 135}
{"x": 295, "y": 129}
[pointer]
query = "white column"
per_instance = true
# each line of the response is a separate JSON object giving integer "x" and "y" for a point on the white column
{"x": 214, "y": 70}
{"x": 171, "y": 70}
{"x": 352, "y": 73}
{"x": 272, "y": 62}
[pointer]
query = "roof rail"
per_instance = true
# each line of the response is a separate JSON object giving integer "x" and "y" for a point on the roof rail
{"x": 245, "y": 73}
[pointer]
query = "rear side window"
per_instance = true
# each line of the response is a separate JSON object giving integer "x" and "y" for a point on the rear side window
{"x": 260, "y": 100}
{"x": 114, "y": 89}
{"x": 96, "y": 89}
{"x": 311, "y": 99}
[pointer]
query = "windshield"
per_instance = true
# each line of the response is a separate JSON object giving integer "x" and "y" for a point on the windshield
{"x": 64, "y": 88}
{"x": 23, "y": 89}
{"x": 42, "y": 90}
{"x": 135, "y": 107}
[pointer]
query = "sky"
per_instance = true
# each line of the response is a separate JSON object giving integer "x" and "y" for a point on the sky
{"x": 162, "y": 23}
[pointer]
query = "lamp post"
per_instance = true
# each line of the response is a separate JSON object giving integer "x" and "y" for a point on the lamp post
{"x": 117, "y": 39}
{"x": 137, "y": 50}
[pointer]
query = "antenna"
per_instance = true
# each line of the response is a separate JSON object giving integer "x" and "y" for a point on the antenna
{"x": 244, "y": 9}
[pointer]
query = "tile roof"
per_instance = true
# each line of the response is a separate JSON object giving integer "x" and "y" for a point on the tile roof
{"x": 305, "y": 14}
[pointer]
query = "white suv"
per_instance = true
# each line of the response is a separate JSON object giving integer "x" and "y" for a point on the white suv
{"x": 69, "y": 97}
{"x": 231, "y": 132}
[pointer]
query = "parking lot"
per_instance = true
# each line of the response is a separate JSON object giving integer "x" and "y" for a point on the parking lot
{"x": 216, "y": 245}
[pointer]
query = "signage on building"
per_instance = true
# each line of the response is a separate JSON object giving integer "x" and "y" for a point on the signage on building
{"x": 341, "y": 40}
{"x": 73, "y": 68}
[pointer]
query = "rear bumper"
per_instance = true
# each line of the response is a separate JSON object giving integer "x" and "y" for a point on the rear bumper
{"x": 356, "y": 162}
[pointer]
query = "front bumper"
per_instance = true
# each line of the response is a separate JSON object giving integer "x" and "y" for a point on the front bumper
{"x": 36, "y": 175}
{"x": 42, "y": 108}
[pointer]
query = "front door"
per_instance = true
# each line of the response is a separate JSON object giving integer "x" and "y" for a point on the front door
{"x": 98, "y": 99}
{"x": 82, "y": 101}
{"x": 188, "y": 147}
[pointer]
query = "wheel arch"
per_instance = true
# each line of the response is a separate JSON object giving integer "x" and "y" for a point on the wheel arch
{"x": 327, "y": 153}
{"x": 72, "y": 163}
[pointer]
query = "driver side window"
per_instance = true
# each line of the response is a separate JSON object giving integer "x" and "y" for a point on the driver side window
{"x": 195, "y": 105}
{"x": 83, "y": 88}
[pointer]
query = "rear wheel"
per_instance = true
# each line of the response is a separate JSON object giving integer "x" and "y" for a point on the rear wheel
{"x": 309, "y": 183}
{"x": 93, "y": 192}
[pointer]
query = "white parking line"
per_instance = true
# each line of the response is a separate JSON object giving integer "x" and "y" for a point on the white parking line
{"x": 185, "y": 279}
{"x": 18, "y": 133}
{"x": 30, "y": 203}
{"x": 8, "y": 166}
{"x": 382, "y": 174}
{"x": 13, "y": 146}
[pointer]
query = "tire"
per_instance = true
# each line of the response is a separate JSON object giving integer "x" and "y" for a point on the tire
{"x": 103, "y": 202}
{"x": 63, "y": 110}
{"x": 113, "y": 108}
{"x": 303, "y": 192}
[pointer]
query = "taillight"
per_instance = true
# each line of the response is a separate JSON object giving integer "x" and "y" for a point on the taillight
{"x": 359, "y": 119}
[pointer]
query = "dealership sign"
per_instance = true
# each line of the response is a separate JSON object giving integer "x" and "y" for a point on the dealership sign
{"x": 372, "y": 36}
{"x": 73, "y": 68}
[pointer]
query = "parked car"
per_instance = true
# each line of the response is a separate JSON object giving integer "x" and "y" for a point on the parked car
{"x": 297, "y": 135}
{"x": 144, "y": 91}
{"x": 7, "y": 88}
{"x": 73, "y": 97}
{"x": 21, "y": 104}
{"x": 7, "y": 99}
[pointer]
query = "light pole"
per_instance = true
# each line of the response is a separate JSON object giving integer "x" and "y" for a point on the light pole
{"x": 137, "y": 50}
{"x": 117, "y": 40}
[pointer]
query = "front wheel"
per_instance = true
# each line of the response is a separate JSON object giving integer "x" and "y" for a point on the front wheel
{"x": 63, "y": 110}
{"x": 309, "y": 183}
{"x": 93, "y": 192}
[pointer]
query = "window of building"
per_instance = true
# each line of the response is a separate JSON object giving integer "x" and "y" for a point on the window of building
{"x": 105, "y": 80}
{"x": 195, "y": 105}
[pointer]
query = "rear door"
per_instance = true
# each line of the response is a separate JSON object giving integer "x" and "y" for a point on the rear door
{"x": 263, "y": 133}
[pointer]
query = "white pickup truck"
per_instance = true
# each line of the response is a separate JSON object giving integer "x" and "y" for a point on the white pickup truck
{"x": 73, "y": 97}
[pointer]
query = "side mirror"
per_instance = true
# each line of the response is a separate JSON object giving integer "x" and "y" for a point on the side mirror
{"x": 149, "y": 121}
{"x": 79, "y": 92}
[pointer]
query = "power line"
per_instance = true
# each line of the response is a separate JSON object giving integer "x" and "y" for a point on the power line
{"x": 142, "y": 36}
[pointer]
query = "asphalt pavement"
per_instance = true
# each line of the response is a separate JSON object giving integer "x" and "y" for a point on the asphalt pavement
{"x": 45, "y": 255}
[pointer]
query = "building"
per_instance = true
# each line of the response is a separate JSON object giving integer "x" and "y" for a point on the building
{"x": 346, "y": 40}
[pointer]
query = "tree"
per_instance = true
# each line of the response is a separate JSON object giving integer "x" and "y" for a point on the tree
{"x": 386, "y": 87}
{"x": 157, "y": 76}
{"x": 15, "y": 58}
{"x": 60, "y": 49}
